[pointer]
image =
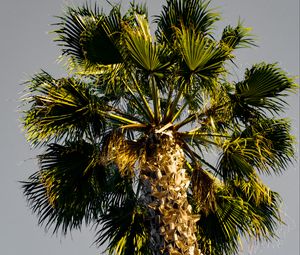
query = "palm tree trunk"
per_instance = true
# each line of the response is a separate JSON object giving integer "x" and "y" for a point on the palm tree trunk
{"x": 165, "y": 185}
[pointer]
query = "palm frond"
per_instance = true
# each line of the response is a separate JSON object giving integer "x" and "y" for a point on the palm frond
{"x": 217, "y": 231}
{"x": 61, "y": 108}
{"x": 124, "y": 153}
{"x": 182, "y": 14}
{"x": 106, "y": 80}
{"x": 243, "y": 209}
{"x": 201, "y": 55}
{"x": 203, "y": 186}
{"x": 236, "y": 37}
{"x": 146, "y": 53}
{"x": 67, "y": 189}
{"x": 124, "y": 226}
{"x": 265, "y": 146}
{"x": 263, "y": 209}
{"x": 217, "y": 110}
{"x": 71, "y": 28}
{"x": 238, "y": 156}
{"x": 278, "y": 150}
{"x": 263, "y": 88}
{"x": 119, "y": 187}
{"x": 135, "y": 8}
{"x": 88, "y": 36}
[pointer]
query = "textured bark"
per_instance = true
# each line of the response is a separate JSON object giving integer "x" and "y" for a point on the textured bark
{"x": 165, "y": 184}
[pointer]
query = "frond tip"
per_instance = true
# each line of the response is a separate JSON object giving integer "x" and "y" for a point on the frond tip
{"x": 236, "y": 37}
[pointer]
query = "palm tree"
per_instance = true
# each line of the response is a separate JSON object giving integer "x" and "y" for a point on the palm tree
{"x": 148, "y": 137}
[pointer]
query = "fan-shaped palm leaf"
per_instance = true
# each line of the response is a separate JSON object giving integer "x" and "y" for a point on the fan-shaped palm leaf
{"x": 181, "y": 14}
{"x": 262, "y": 205}
{"x": 68, "y": 188}
{"x": 279, "y": 151}
{"x": 71, "y": 28}
{"x": 265, "y": 145}
{"x": 89, "y": 37}
{"x": 243, "y": 208}
{"x": 201, "y": 55}
{"x": 263, "y": 87}
{"x": 124, "y": 227}
{"x": 142, "y": 49}
{"x": 61, "y": 108}
{"x": 238, "y": 156}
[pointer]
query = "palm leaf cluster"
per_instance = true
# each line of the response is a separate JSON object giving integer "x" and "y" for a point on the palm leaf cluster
{"x": 127, "y": 87}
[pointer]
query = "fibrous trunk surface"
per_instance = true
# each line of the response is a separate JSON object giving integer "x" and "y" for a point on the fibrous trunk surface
{"x": 165, "y": 184}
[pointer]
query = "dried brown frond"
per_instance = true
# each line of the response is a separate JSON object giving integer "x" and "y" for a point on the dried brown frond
{"x": 203, "y": 186}
{"x": 122, "y": 152}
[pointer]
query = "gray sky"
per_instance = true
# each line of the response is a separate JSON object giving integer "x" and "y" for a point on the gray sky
{"x": 26, "y": 47}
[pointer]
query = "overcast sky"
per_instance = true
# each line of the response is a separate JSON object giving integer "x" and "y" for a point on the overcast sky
{"x": 26, "y": 47}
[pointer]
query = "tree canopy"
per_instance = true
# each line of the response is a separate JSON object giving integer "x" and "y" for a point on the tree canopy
{"x": 105, "y": 126}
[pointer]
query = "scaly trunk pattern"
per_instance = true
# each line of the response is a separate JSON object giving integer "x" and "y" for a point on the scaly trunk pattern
{"x": 165, "y": 184}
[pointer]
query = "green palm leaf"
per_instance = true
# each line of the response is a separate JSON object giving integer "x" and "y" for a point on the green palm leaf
{"x": 236, "y": 37}
{"x": 243, "y": 209}
{"x": 201, "y": 55}
{"x": 124, "y": 227}
{"x": 68, "y": 188}
{"x": 264, "y": 146}
{"x": 237, "y": 158}
{"x": 89, "y": 37}
{"x": 278, "y": 150}
{"x": 145, "y": 53}
{"x": 182, "y": 14}
{"x": 263, "y": 87}
{"x": 61, "y": 108}
{"x": 263, "y": 209}
{"x": 218, "y": 230}
{"x": 71, "y": 28}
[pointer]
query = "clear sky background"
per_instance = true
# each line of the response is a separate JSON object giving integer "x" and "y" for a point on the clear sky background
{"x": 25, "y": 47}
